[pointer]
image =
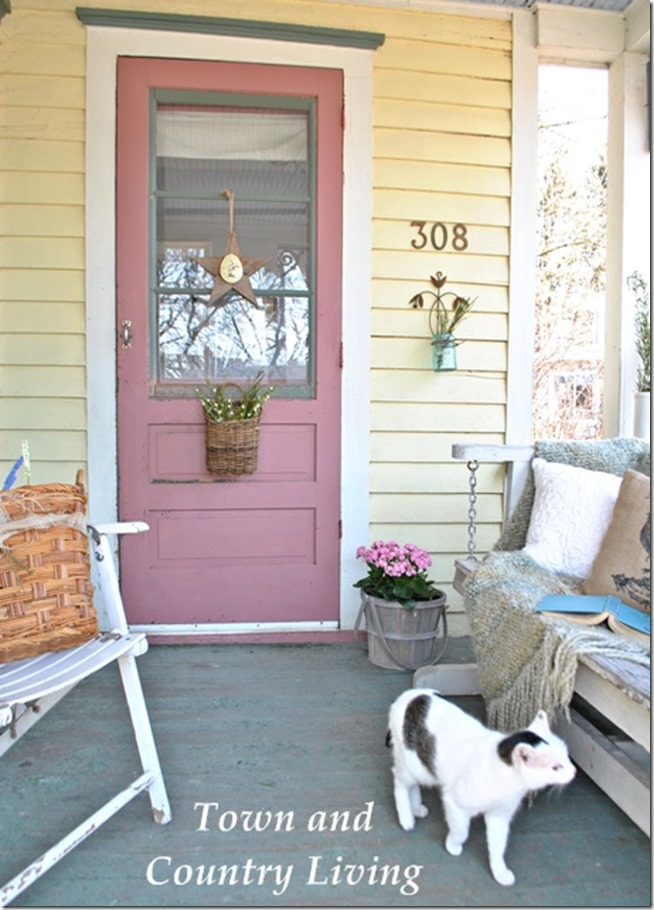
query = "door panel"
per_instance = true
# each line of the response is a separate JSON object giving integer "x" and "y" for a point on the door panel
{"x": 287, "y": 451}
{"x": 265, "y": 547}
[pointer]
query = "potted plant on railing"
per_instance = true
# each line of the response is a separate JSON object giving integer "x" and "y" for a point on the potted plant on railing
{"x": 403, "y": 608}
{"x": 232, "y": 425}
{"x": 638, "y": 285}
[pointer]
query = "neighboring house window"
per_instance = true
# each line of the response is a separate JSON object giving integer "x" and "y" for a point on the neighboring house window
{"x": 577, "y": 396}
{"x": 572, "y": 246}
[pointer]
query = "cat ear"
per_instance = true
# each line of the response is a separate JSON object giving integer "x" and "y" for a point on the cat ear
{"x": 523, "y": 754}
{"x": 540, "y": 723}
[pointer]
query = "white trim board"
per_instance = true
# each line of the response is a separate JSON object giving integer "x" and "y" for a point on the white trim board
{"x": 241, "y": 628}
{"x": 104, "y": 46}
{"x": 468, "y": 8}
{"x": 579, "y": 34}
{"x": 522, "y": 261}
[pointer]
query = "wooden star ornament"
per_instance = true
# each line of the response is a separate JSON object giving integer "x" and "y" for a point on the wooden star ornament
{"x": 231, "y": 270}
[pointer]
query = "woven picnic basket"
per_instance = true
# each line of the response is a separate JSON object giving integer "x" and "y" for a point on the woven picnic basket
{"x": 46, "y": 593}
{"x": 232, "y": 445}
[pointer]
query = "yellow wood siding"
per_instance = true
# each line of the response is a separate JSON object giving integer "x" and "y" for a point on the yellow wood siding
{"x": 442, "y": 152}
{"x": 442, "y": 127}
{"x": 42, "y": 314}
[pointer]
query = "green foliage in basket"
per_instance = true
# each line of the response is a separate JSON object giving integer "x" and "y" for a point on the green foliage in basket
{"x": 219, "y": 406}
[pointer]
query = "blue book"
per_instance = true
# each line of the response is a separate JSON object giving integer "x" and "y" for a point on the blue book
{"x": 591, "y": 609}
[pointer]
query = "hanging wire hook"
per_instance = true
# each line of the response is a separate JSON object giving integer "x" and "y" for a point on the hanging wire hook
{"x": 229, "y": 195}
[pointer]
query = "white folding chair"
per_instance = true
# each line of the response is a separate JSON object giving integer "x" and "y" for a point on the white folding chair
{"x": 37, "y": 683}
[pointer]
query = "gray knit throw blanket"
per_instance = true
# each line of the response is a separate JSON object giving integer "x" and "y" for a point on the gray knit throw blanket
{"x": 527, "y": 662}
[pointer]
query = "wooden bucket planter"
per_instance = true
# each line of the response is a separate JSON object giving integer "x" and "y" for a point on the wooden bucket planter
{"x": 401, "y": 638}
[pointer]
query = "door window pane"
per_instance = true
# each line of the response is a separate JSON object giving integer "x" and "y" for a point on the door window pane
{"x": 234, "y": 341}
{"x": 262, "y": 155}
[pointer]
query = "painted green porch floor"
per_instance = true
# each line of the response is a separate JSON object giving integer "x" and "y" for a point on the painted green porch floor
{"x": 289, "y": 729}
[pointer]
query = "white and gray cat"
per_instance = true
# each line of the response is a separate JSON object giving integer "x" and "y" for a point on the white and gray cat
{"x": 479, "y": 771}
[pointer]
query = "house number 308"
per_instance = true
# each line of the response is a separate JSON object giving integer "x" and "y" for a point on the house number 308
{"x": 438, "y": 236}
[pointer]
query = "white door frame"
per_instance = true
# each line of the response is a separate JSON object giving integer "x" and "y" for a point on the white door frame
{"x": 104, "y": 46}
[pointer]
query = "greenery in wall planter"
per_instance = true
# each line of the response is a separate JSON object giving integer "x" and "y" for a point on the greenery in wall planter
{"x": 443, "y": 320}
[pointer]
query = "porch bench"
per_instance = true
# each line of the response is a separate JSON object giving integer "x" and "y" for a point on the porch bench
{"x": 603, "y": 709}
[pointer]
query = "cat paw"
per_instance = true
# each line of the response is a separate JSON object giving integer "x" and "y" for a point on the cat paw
{"x": 407, "y": 822}
{"x": 453, "y": 847}
{"x": 504, "y": 877}
{"x": 421, "y": 811}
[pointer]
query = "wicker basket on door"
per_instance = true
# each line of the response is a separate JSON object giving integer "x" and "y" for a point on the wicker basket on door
{"x": 232, "y": 425}
{"x": 232, "y": 445}
{"x": 46, "y": 593}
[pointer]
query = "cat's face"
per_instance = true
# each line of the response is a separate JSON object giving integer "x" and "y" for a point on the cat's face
{"x": 545, "y": 763}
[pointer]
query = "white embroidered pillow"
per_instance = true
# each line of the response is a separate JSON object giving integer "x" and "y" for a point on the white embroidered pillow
{"x": 571, "y": 512}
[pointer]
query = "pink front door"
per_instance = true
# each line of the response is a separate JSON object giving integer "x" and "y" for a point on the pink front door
{"x": 262, "y": 548}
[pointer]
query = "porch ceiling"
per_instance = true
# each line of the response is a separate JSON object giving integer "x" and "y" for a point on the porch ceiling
{"x": 616, "y": 6}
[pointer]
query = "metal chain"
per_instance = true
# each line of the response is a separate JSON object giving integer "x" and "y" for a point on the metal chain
{"x": 472, "y": 507}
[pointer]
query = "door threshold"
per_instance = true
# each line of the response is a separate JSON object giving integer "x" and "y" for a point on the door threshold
{"x": 228, "y": 628}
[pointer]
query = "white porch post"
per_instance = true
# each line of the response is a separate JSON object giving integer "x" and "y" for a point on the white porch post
{"x": 628, "y": 227}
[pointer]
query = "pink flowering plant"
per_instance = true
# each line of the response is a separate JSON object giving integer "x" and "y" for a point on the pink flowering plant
{"x": 397, "y": 573}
